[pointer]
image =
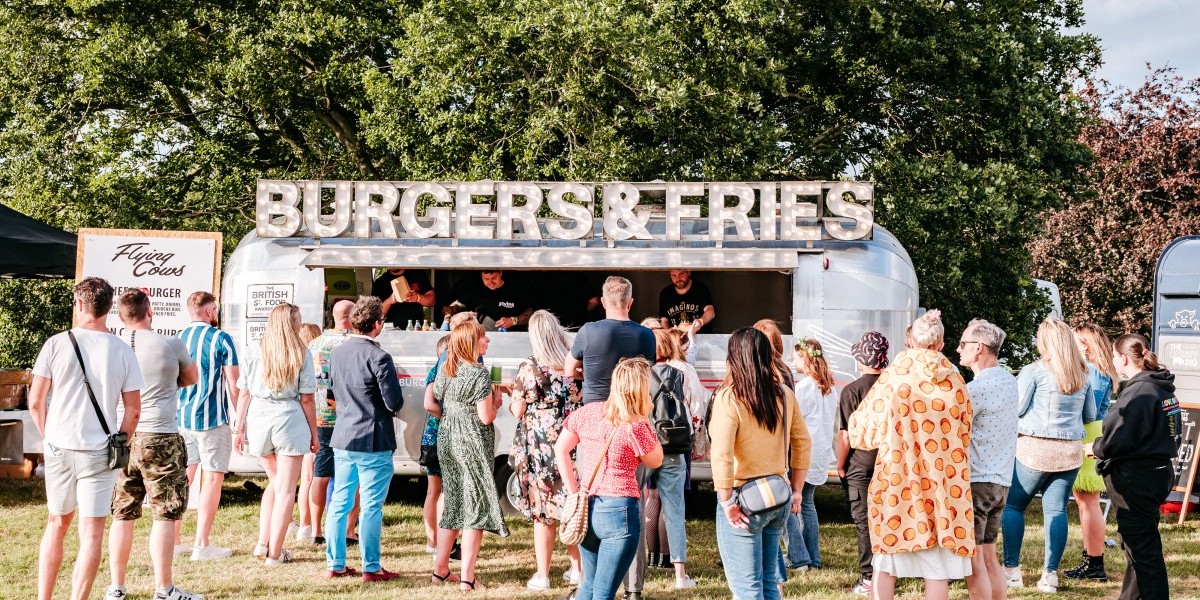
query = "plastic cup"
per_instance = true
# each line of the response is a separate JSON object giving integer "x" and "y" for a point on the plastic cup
{"x": 496, "y": 374}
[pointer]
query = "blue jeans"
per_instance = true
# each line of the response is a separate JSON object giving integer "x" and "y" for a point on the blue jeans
{"x": 752, "y": 556}
{"x": 802, "y": 541}
{"x": 614, "y": 528}
{"x": 670, "y": 483}
{"x": 374, "y": 470}
{"x": 1056, "y": 490}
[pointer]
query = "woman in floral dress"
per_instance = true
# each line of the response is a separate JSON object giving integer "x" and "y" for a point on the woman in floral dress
{"x": 542, "y": 398}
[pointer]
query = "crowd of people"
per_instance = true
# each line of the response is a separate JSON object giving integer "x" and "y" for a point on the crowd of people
{"x": 936, "y": 470}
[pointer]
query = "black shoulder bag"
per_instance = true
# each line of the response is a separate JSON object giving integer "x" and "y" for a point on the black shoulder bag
{"x": 118, "y": 443}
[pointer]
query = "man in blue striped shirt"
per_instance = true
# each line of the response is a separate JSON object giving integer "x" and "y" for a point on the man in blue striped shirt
{"x": 204, "y": 415}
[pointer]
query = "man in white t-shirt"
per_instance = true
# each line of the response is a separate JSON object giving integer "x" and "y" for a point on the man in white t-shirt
{"x": 76, "y": 445}
{"x": 158, "y": 458}
{"x": 993, "y": 393}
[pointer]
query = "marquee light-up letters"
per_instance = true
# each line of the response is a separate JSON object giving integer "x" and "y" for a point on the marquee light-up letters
{"x": 788, "y": 210}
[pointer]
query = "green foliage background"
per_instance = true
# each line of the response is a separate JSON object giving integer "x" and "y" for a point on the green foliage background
{"x": 162, "y": 114}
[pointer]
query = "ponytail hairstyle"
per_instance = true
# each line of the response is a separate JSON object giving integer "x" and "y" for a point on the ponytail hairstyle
{"x": 1097, "y": 349}
{"x": 1056, "y": 343}
{"x": 811, "y": 360}
{"x": 927, "y": 331}
{"x": 1136, "y": 348}
{"x": 751, "y": 376}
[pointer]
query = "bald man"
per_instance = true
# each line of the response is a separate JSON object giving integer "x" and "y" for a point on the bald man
{"x": 321, "y": 349}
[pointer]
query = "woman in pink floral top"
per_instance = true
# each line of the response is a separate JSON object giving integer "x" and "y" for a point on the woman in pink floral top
{"x": 542, "y": 399}
{"x": 614, "y": 521}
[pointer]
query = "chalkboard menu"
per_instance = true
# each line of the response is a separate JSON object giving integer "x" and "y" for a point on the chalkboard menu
{"x": 1182, "y": 463}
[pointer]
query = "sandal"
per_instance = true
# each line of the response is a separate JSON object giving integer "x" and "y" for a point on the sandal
{"x": 471, "y": 585}
{"x": 444, "y": 578}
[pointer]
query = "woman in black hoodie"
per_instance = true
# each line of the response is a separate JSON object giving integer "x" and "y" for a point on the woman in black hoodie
{"x": 1141, "y": 435}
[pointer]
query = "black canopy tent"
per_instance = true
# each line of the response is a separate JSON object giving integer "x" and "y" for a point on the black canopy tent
{"x": 32, "y": 249}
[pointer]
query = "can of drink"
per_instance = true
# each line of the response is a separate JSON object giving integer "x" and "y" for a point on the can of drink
{"x": 496, "y": 374}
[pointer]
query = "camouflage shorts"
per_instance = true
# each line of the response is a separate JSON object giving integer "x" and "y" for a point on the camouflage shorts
{"x": 158, "y": 465}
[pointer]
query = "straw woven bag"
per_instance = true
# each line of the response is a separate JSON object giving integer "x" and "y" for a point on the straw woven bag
{"x": 573, "y": 516}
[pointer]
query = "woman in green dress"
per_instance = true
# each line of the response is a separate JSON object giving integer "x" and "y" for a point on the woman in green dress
{"x": 466, "y": 439}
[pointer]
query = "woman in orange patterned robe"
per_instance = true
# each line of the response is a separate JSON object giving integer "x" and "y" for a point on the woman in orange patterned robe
{"x": 918, "y": 415}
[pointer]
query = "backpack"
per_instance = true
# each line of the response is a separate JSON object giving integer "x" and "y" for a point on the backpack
{"x": 669, "y": 416}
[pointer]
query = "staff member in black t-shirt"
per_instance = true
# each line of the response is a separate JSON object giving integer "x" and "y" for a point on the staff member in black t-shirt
{"x": 686, "y": 301}
{"x": 1141, "y": 436}
{"x": 491, "y": 297}
{"x": 399, "y": 311}
{"x": 857, "y": 467}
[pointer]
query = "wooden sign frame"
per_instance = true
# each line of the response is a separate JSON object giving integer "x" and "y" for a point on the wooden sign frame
{"x": 1191, "y": 474}
{"x": 152, "y": 233}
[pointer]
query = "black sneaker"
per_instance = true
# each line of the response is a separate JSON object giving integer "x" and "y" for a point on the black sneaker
{"x": 1092, "y": 568}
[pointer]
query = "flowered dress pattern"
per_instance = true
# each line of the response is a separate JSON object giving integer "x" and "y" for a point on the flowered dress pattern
{"x": 465, "y": 449}
{"x": 532, "y": 454}
{"x": 918, "y": 415}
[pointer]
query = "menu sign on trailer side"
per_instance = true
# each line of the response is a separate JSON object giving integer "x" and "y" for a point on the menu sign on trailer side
{"x": 167, "y": 265}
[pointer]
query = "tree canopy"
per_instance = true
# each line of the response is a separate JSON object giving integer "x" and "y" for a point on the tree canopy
{"x": 162, "y": 114}
{"x": 1102, "y": 245}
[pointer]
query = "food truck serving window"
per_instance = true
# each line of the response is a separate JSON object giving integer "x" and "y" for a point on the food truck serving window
{"x": 512, "y": 259}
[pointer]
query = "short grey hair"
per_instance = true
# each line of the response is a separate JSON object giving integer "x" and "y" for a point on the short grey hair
{"x": 989, "y": 334}
{"x": 618, "y": 289}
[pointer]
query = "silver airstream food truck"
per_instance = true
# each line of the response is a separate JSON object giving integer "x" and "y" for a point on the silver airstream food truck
{"x": 810, "y": 258}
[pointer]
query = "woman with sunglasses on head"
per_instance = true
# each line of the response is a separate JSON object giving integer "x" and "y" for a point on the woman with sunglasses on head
{"x": 613, "y": 438}
{"x": 1141, "y": 436}
{"x": 1097, "y": 351}
{"x": 465, "y": 445}
{"x": 755, "y": 422}
{"x": 277, "y": 411}
{"x": 1054, "y": 402}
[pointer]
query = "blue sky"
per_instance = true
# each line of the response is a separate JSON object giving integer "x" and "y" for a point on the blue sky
{"x": 1134, "y": 32}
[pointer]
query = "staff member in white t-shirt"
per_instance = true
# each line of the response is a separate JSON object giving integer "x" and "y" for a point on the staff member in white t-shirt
{"x": 76, "y": 447}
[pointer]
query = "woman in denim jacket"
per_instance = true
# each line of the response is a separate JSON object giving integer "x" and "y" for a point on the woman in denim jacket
{"x": 1055, "y": 401}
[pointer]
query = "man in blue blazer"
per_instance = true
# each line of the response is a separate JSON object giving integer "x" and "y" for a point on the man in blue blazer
{"x": 363, "y": 381}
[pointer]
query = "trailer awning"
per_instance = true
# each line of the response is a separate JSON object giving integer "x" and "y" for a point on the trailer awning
{"x": 537, "y": 259}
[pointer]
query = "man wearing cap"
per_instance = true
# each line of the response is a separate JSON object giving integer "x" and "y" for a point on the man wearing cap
{"x": 856, "y": 467}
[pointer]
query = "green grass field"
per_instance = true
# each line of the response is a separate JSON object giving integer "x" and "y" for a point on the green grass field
{"x": 505, "y": 563}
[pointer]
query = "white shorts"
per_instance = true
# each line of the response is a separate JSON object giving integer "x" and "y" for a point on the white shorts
{"x": 78, "y": 479}
{"x": 277, "y": 427}
{"x": 209, "y": 448}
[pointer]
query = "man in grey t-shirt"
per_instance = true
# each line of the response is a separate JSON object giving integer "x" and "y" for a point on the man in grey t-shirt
{"x": 158, "y": 459}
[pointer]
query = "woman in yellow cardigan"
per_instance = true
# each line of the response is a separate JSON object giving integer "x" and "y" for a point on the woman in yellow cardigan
{"x": 918, "y": 415}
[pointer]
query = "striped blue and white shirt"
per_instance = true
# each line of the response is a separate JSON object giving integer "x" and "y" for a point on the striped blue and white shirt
{"x": 205, "y": 405}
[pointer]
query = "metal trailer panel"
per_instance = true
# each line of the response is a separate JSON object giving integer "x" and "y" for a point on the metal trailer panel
{"x": 839, "y": 291}
{"x": 1177, "y": 315}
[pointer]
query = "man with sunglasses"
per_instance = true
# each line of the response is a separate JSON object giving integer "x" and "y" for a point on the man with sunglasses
{"x": 993, "y": 445}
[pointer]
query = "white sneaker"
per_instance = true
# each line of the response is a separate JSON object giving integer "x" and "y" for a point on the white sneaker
{"x": 304, "y": 534}
{"x": 260, "y": 551}
{"x": 430, "y": 550}
{"x": 292, "y": 529}
{"x": 285, "y": 557}
{"x": 571, "y": 576}
{"x": 1048, "y": 583}
{"x": 863, "y": 588}
{"x": 538, "y": 583}
{"x": 178, "y": 594}
{"x": 114, "y": 593}
{"x": 1014, "y": 578}
{"x": 210, "y": 553}
{"x": 684, "y": 583}
{"x": 182, "y": 549}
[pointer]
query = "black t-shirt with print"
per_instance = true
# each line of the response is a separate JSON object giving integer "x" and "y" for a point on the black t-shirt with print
{"x": 860, "y": 464}
{"x": 402, "y": 312}
{"x": 508, "y": 300}
{"x": 687, "y": 307}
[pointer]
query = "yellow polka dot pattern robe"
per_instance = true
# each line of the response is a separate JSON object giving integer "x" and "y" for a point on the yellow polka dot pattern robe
{"x": 918, "y": 415}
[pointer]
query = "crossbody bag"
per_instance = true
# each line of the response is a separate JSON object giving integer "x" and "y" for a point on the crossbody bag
{"x": 767, "y": 493}
{"x": 118, "y": 443}
{"x": 573, "y": 516}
